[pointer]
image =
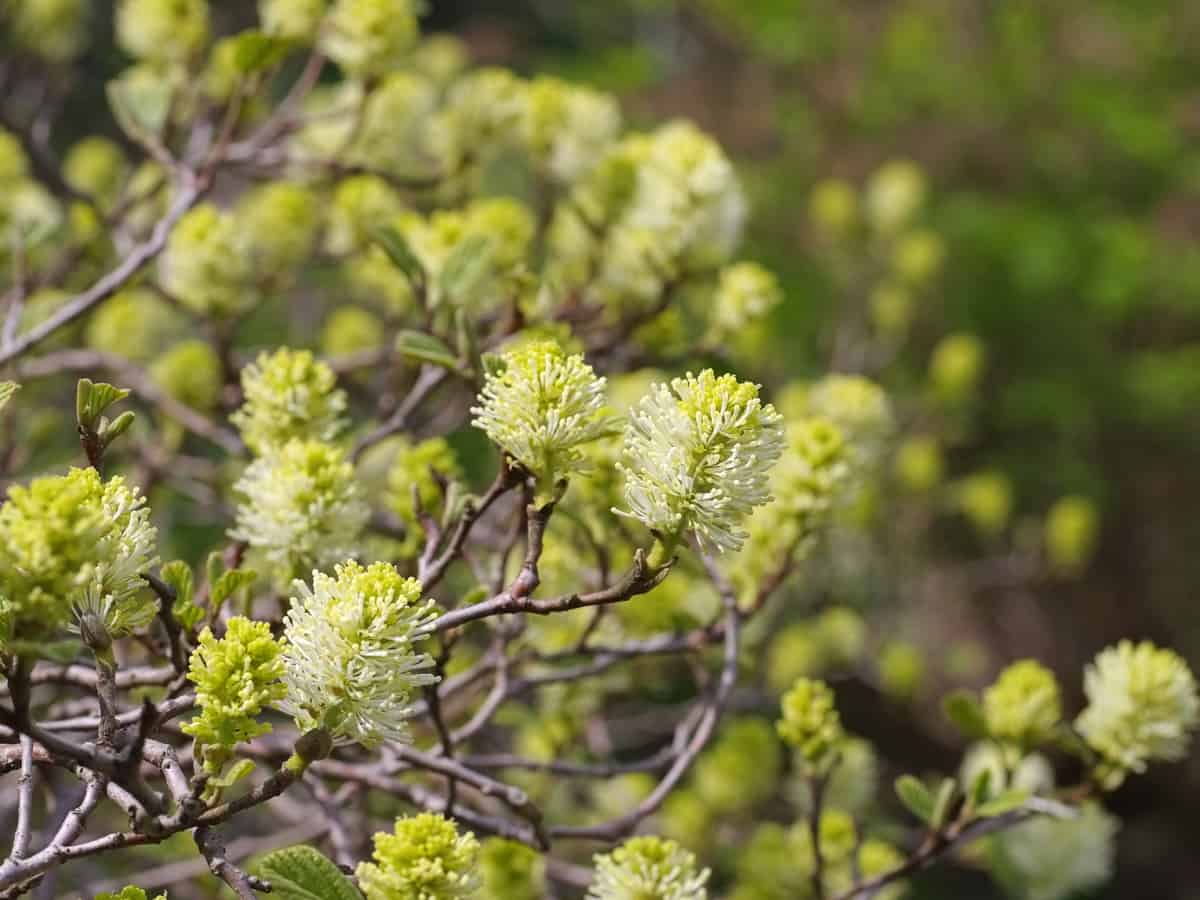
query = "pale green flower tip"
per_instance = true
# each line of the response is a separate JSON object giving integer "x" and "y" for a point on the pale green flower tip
{"x": 698, "y": 456}
{"x": 810, "y": 722}
{"x": 1142, "y": 706}
{"x": 63, "y": 536}
{"x": 365, "y": 37}
{"x": 288, "y": 395}
{"x": 541, "y": 408}
{"x": 237, "y": 677}
{"x": 1024, "y": 704}
{"x": 424, "y": 857}
{"x": 648, "y": 867}
{"x": 351, "y": 666}
{"x": 164, "y": 31}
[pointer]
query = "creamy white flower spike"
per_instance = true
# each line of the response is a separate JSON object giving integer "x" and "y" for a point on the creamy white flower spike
{"x": 542, "y": 408}
{"x": 697, "y": 458}
{"x": 648, "y": 867}
{"x": 350, "y": 664}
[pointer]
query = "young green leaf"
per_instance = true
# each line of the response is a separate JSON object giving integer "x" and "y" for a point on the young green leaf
{"x": 943, "y": 802}
{"x": 392, "y": 243}
{"x": 302, "y": 873}
{"x": 426, "y": 348}
{"x": 230, "y": 583}
{"x": 1002, "y": 803}
{"x": 962, "y": 708}
{"x": 916, "y": 797}
{"x": 465, "y": 269}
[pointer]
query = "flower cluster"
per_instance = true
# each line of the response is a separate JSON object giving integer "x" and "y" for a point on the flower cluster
{"x": 288, "y": 395}
{"x": 1023, "y": 706}
{"x": 301, "y": 507}
{"x": 541, "y": 408}
{"x": 206, "y": 265}
{"x": 280, "y": 222}
{"x": 1142, "y": 706}
{"x": 56, "y": 30}
{"x": 568, "y": 127}
{"x": 510, "y": 871}
{"x": 698, "y": 456}
{"x": 857, "y": 406}
{"x": 646, "y": 867}
{"x": 745, "y": 293}
{"x": 811, "y": 723}
{"x": 190, "y": 372}
{"x": 66, "y": 536}
{"x": 162, "y": 31}
{"x": 236, "y": 677}
{"x": 350, "y": 663}
{"x": 806, "y": 486}
{"x": 1053, "y": 859}
{"x": 424, "y": 858}
{"x": 364, "y": 37}
{"x": 295, "y": 20}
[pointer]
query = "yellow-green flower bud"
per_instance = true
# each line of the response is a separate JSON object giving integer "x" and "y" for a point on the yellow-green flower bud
{"x": 1023, "y": 705}
{"x": 956, "y": 365}
{"x": 367, "y": 37}
{"x": 424, "y": 858}
{"x": 56, "y": 30}
{"x": 510, "y": 871}
{"x": 891, "y": 310}
{"x": 986, "y": 499}
{"x": 901, "y": 669}
{"x": 136, "y": 323}
{"x": 96, "y": 166}
{"x": 206, "y": 264}
{"x": 279, "y": 222}
{"x": 833, "y": 206}
{"x": 288, "y": 394}
{"x": 919, "y": 465}
{"x": 1072, "y": 529}
{"x": 918, "y": 256}
{"x": 351, "y": 329}
{"x": 746, "y": 293}
{"x": 811, "y": 723}
{"x": 191, "y": 373}
{"x": 164, "y": 31}
{"x": 895, "y": 192}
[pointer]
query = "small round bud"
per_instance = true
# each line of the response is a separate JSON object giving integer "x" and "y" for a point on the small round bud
{"x": 919, "y": 465}
{"x": 986, "y": 499}
{"x": 811, "y": 723}
{"x": 1072, "y": 528}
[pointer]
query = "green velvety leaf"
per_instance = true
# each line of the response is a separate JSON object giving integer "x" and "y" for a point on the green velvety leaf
{"x": 92, "y": 399}
{"x": 427, "y": 348}
{"x": 392, "y": 242}
{"x": 916, "y": 797}
{"x": 962, "y": 708}
{"x": 302, "y": 873}
{"x": 233, "y": 774}
{"x": 465, "y": 269}
{"x": 255, "y": 51}
{"x": 1002, "y": 803}
{"x": 230, "y": 583}
{"x": 943, "y": 802}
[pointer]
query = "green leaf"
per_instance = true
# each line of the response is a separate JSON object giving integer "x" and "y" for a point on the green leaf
{"x": 255, "y": 51}
{"x": 1002, "y": 803}
{"x": 465, "y": 269}
{"x": 916, "y": 797}
{"x": 962, "y": 708}
{"x": 178, "y": 575}
{"x": 943, "y": 802}
{"x": 979, "y": 789}
{"x": 230, "y": 583}
{"x": 140, "y": 106}
{"x": 302, "y": 873}
{"x": 392, "y": 242}
{"x": 468, "y": 342}
{"x": 7, "y": 389}
{"x": 117, "y": 427}
{"x": 233, "y": 774}
{"x": 92, "y": 399}
{"x": 427, "y": 348}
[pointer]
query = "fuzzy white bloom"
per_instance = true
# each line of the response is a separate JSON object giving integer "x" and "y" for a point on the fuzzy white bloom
{"x": 1051, "y": 859}
{"x": 301, "y": 507}
{"x": 349, "y": 661}
{"x": 648, "y": 868}
{"x": 129, "y": 548}
{"x": 698, "y": 456}
{"x": 569, "y": 127}
{"x": 1142, "y": 706}
{"x": 542, "y": 408}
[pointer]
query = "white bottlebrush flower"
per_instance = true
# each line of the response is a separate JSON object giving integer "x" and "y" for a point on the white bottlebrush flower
{"x": 648, "y": 868}
{"x": 350, "y": 664}
{"x": 542, "y": 407}
{"x": 698, "y": 456}
{"x": 1142, "y": 706}
{"x": 1052, "y": 859}
{"x": 301, "y": 507}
